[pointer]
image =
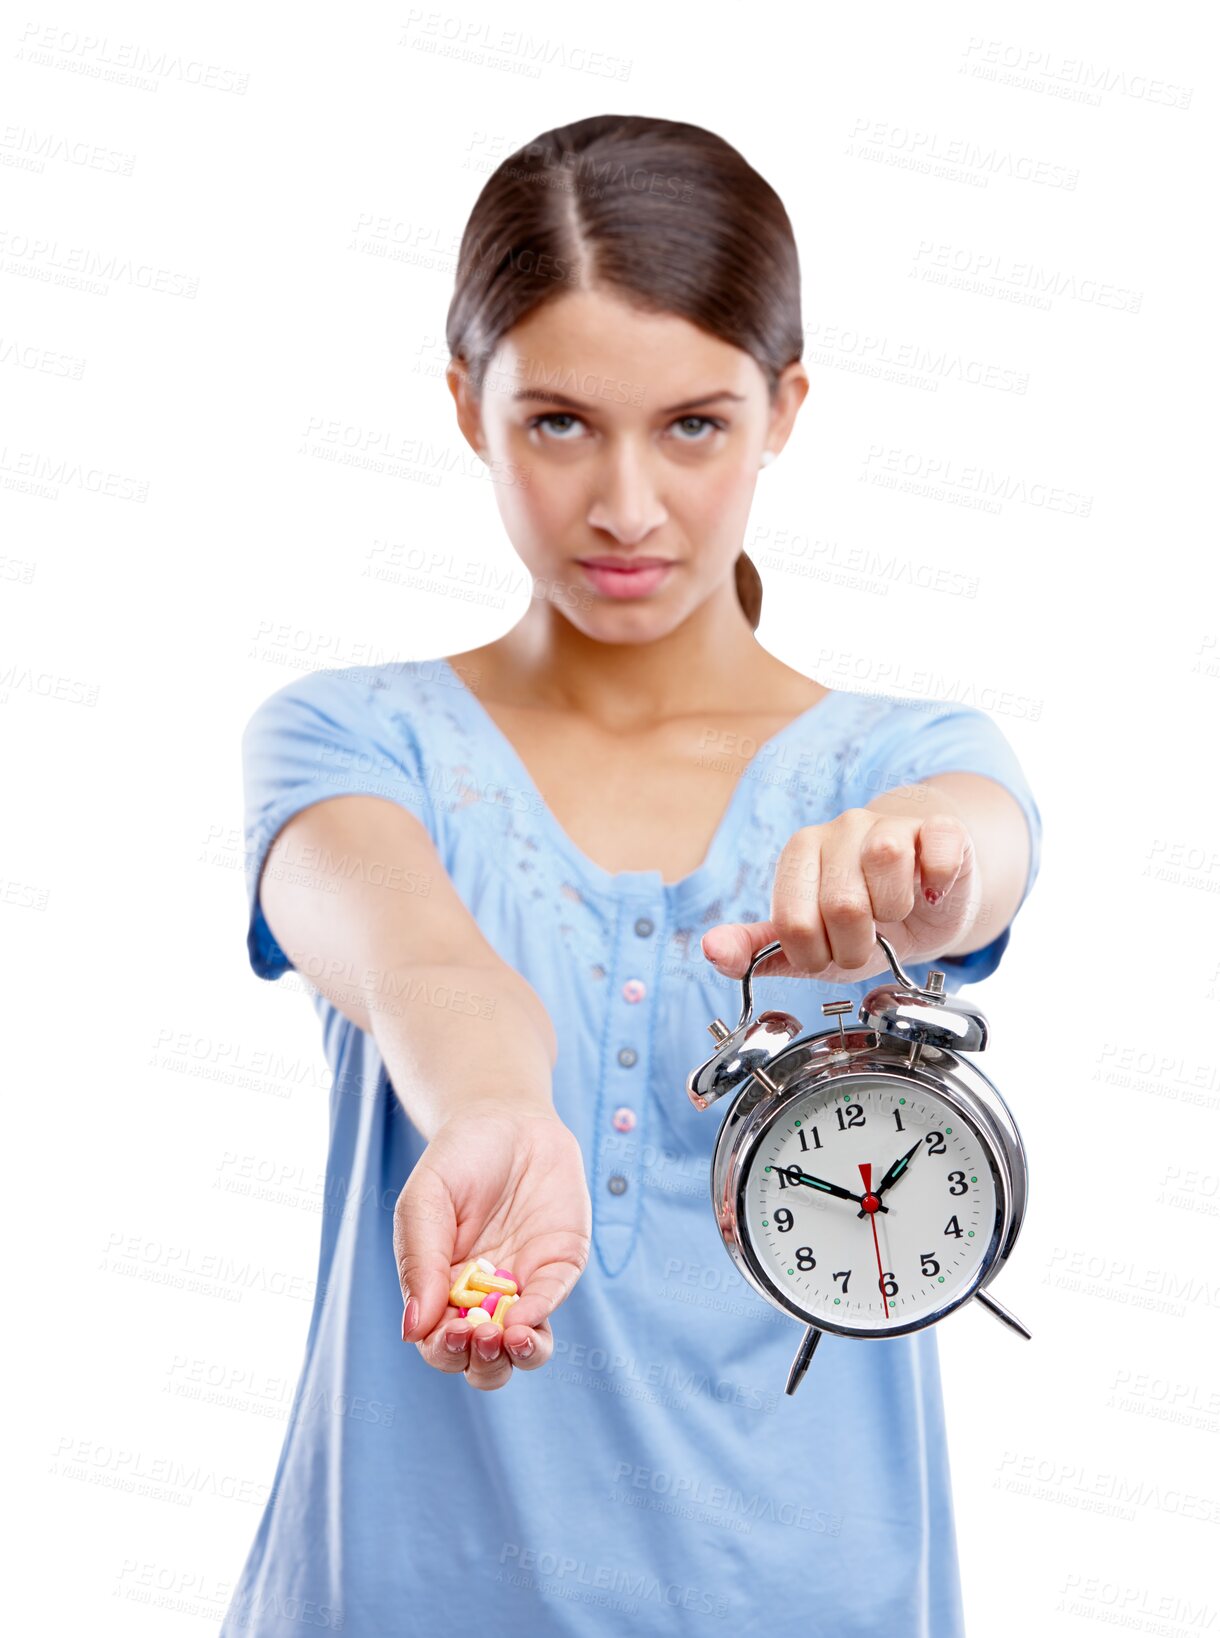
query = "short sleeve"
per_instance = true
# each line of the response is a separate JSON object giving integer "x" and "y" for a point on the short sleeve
{"x": 325, "y": 734}
{"x": 913, "y": 741}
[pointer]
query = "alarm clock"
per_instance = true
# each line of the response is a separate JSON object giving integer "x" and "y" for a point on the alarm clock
{"x": 868, "y": 1180}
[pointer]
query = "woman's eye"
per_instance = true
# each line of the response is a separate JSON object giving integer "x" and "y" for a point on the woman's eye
{"x": 558, "y": 415}
{"x": 699, "y": 421}
{"x": 564, "y": 428}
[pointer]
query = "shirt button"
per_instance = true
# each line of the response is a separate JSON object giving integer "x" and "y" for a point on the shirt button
{"x": 624, "y": 1119}
{"x": 634, "y": 989}
{"x": 643, "y": 926}
{"x": 627, "y": 1056}
{"x": 617, "y": 1184}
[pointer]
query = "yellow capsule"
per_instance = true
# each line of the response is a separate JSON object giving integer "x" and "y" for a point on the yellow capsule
{"x": 467, "y": 1297}
{"x": 502, "y": 1308}
{"x": 460, "y": 1284}
{"x": 493, "y": 1282}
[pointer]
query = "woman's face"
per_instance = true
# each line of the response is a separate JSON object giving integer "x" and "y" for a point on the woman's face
{"x": 615, "y": 435}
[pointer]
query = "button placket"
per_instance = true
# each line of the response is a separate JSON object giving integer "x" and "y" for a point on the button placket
{"x": 623, "y": 1099}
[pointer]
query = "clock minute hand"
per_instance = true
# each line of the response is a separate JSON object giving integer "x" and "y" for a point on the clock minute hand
{"x": 896, "y": 1170}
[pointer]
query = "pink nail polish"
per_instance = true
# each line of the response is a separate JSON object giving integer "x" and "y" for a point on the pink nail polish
{"x": 410, "y": 1317}
{"x": 932, "y": 896}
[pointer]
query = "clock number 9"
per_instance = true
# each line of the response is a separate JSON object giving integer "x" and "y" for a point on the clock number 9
{"x": 782, "y": 1219}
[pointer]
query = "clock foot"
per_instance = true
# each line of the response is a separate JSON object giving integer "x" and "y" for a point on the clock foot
{"x": 803, "y": 1355}
{"x": 1001, "y": 1312}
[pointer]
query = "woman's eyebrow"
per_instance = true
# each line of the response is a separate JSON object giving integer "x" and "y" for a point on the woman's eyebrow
{"x": 575, "y": 403}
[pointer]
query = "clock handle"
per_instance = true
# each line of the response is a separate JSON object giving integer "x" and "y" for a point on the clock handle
{"x": 747, "y": 999}
{"x": 934, "y": 992}
{"x": 803, "y": 1355}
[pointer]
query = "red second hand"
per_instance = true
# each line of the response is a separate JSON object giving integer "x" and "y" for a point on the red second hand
{"x": 871, "y": 1204}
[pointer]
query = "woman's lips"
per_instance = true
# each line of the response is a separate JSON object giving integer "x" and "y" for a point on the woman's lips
{"x": 636, "y": 581}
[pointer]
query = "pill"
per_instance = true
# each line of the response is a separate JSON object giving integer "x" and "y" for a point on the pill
{"x": 466, "y": 1297}
{"x": 461, "y": 1282}
{"x": 502, "y": 1308}
{"x": 488, "y": 1267}
{"x": 492, "y": 1282}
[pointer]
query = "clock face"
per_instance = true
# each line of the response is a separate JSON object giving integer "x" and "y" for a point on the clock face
{"x": 919, "y": 1228}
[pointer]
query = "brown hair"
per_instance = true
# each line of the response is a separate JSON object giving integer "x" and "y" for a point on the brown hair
{"x": 668, "y": 215}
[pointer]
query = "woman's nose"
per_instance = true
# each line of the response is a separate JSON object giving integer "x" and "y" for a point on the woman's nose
{"x": 626, "y": 501}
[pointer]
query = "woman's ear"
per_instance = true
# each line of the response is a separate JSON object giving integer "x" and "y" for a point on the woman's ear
{"x": 469, "y": 413}
{"x": 790, "y": 393}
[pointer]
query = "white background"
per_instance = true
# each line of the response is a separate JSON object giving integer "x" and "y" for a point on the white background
{"x": 212, "y": 286}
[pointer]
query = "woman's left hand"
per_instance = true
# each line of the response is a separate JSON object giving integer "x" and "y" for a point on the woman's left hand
{"x": 837, "y": 885}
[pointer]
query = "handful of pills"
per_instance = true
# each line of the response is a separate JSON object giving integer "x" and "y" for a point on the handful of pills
{"x": 484, "y": 1292}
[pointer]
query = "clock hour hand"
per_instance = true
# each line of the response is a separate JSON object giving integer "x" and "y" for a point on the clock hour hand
{"x": 895, "y": 1171}
{"x": 795, "y": 1175}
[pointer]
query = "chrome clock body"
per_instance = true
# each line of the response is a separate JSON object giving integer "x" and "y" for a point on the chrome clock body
{"x": 903, "y": 1053}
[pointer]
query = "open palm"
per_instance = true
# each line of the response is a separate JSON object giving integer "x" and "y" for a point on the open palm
{"x": 497, "y": 1184}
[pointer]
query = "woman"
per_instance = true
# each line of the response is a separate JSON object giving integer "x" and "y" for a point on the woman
{"x": 522, "y": 882}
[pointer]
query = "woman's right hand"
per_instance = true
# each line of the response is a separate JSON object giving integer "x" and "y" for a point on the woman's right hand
{"x": 506, "y": 1184}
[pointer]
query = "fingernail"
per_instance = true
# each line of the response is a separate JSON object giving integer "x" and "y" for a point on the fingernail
{"x": 522, "y": 1350}
{"x": 489, "y": 1349}
{"x": 410, "y": 1317}
{"x": 931, "y": 894}
{"x": 456, "y": 1341}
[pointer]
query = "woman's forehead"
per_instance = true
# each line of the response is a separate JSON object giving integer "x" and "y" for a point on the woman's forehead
{"x": 592, "y": 350}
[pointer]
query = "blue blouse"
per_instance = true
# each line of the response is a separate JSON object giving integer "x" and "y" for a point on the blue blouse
{"x": 654, "y": 1476}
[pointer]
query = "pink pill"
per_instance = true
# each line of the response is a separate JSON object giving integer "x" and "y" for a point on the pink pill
{"x": 504, "y": 1274}
{"x": 490, "y": 1300}
{"x": 463, "y": 1312}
